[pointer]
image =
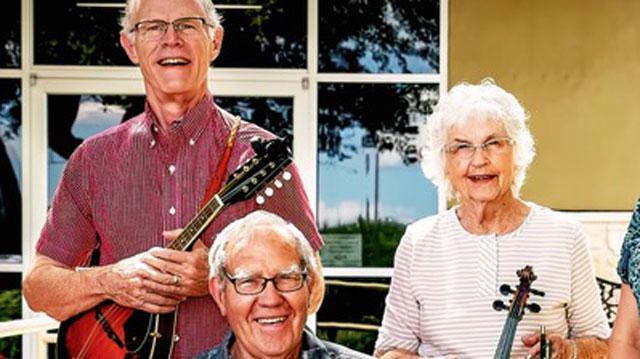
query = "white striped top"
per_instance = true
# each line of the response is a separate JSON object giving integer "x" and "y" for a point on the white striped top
{"x": 445, "y": 280}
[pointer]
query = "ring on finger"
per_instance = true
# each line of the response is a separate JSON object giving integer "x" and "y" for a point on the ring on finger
{"x": 176, "y": 280}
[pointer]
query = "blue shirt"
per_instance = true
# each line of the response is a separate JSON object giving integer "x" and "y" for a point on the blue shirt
{"x": 629, "y": 263}
{"x": 312, "y": 348}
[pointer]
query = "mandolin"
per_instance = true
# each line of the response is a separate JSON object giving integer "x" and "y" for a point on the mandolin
{"x": 516, "y": 309}
{"x": 113, "y": 331}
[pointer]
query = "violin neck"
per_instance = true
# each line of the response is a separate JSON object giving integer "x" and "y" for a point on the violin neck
{"x": 503, "y": 351}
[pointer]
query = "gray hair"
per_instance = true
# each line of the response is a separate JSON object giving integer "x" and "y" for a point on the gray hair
{"x": 463, "y": 103}
{"x": 240, "y": 232}
{"x": 211, "y": 15}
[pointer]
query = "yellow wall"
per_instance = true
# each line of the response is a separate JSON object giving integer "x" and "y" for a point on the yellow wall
{"x": 575, "y": 66}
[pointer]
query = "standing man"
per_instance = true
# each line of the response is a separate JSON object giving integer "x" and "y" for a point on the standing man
{"x": 127, "y": 191}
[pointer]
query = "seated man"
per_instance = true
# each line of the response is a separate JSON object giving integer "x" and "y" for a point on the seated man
{"x": 266, "y": 279}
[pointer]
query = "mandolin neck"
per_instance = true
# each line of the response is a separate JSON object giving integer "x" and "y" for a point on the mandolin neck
{"x": 197, "y": 225}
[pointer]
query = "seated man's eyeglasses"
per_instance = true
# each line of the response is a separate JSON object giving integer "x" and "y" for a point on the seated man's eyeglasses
{"x": 152, "y": 30}
{"x": 289, "y": 281}
{"x": 492, "y": 147}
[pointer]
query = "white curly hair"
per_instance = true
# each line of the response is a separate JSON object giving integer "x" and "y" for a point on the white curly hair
{"x": 463, "y": 103}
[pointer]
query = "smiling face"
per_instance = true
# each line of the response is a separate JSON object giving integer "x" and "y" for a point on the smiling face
{"x": 484, "y": 177}
{"x": 268, "y": 324}
{"x": 174, "y": 66}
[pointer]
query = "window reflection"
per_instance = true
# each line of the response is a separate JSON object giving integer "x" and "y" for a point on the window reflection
{"x": 352, "y": 311}
{"x": 369, "y": 181}
{"x": 388, "y": 36}
{"x": 68, "y": 34}
{"x": 10, "y": 34}
{"x": 264, "y": 34}
{"x": 10, "y": 171}
{"x": 271, "y": 113}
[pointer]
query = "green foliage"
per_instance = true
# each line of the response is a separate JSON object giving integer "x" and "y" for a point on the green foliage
{"x": 10, "y": 309}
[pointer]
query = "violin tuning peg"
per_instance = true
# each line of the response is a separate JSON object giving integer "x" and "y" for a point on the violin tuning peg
{"x": 533, "y": 307}
{"x": 286, "y": 175}
{"x": 536, "y": 292}
{"x": 505, "y": 289}
{"x": 499, "y": 305}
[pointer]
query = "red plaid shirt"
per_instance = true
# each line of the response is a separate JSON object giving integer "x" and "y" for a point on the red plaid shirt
{"x": 121, "y": 188}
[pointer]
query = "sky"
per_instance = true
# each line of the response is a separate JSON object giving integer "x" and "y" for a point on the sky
{"x": 345, "y": 186}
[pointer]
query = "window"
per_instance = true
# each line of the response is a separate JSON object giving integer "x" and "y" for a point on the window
{"x": 10, "y": 34}
{"x": 369, "y": 181}
{"x": 352, "y": 93}
{"x": 388, "y": 36}
{"x": 273, "y": 34}
{"x": 70, "y": 32}
{"x": 10, "y": 171}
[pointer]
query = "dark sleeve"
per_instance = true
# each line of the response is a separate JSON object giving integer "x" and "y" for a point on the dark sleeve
{"x": 629, "y": 263}
{"x": 68, "y": 235}
{"x": 630, "y": 246}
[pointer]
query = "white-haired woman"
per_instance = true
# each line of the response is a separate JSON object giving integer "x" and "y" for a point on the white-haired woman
{"x": 449, "y": 267}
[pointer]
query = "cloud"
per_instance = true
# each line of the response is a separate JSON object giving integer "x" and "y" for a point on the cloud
{"x": 389, "y": 159}
{"x": 345, "y": 212}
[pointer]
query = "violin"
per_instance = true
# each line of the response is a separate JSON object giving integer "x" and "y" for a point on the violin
{"x": 516, "y": 309}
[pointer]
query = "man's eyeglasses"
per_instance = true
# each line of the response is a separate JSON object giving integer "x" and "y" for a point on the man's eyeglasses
{"x": 283, "y": 282}
{"x": 152, "y": 30}
{"x": 493, "y": 147}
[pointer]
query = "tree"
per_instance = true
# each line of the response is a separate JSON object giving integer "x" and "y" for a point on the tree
{"x": 388, "y": 36}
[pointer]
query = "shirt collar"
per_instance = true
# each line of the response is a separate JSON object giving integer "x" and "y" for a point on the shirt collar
{"x": 191, "y": 125}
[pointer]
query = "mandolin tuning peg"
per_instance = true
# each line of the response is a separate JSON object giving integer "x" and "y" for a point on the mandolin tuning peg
{"x": 499, "y": 305}
{"x": 533, "y": 307}
{"x": 505, "y": 289}
{"x": 268, "y": 191}
{"x": 536, "y": 292}
{"x": 286, "y": 175}
{"x": 277, "y": 183}
{"x": 260, "y": 200}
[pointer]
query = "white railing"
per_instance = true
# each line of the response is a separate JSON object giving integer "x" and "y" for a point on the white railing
{"x": 35, "y": 326}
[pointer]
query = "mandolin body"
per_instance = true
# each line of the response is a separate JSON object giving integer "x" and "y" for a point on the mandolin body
{"x": 112, "y": 331}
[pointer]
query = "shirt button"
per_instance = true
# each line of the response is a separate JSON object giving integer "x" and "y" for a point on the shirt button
{"x": 172, "y": 210}
{"x": 152, "y": 143}
{"x": 192, "y": 142}
{"x": 172, "y": 169}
